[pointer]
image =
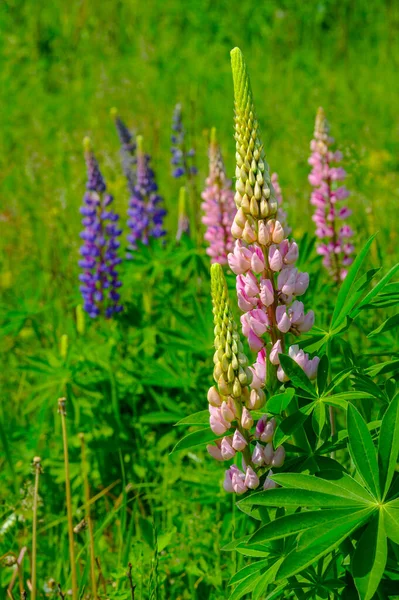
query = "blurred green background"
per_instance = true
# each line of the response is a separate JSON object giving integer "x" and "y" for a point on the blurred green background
{"x": 64, "y": 65}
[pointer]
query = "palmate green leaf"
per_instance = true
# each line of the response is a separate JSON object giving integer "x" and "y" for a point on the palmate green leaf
{"x": 362, "y": 451}
{"x": 248, "y": 570}
{"x": 370, "y": 558}
{"x": 244, "y": 587}
{"x": 319, "y": 418}
{"x": 344, "y": 303}
{"x": 265, "y": 579}
{"x": 296, "y": 523}
{"x": 388, "y": 445}
{"x": 341, "y": 400}
{"x": 279, "y": 402}
{"x": 199, "y": 418}
{"x": 387, "y": 325}
{"x": 338, "y": 379}
{"x": 312, "y": 536}
{"x": 376, "y": 290}
{"x": 196, "y": 438}
{"x": 297, "y": 560}
{"x": 391, "y": 521}
{"x": 288, "y": 426}
{"x": 297, "y": 376}
{"x": 333, "y": 482}
{"x": 390, "y": 366}
{"x": 293, "y": 497}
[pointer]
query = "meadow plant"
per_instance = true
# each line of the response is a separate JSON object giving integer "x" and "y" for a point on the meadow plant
{"x": 182, "y": 159}
{"x": 128, "y": 150}
{"x": 335, "y": 245}
{"x": 231, "y": 401}
{"x": 218, "y": 206}
{"x": 183, "y": 222}
{"x": 99, "y": 281}
{"x": 263, "y": 259}
{"x": 37, "y": 470}
{"x": 145, "y": 213}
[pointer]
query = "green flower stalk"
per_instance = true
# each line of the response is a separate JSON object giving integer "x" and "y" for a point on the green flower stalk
{"x": 230, "y": 398}
{"x": 255, "y": 196}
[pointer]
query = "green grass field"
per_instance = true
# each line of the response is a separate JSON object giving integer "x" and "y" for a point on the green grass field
{"x": 64, "y": 65}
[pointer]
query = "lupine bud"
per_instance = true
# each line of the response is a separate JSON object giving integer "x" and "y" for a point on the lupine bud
{"x": 260, "y": 426}
{"x": 227, "y": 412}
{"x": 258, "y": 457}
{"x": 99, "y": 280}
{"x": 268, "y": 453}
{"x": 145, "y": 215}
{"x": 246, "y": 419}
{"x": 239, "y": 441}
{"x": 336, "y": 255}
{"x": 215, "y": 452}
{"x": 268, "y": 433}
{"x": 238, "y": 482}
{"x": 279, "y": 457}
{"x": 266, "y": 292}
{"x": 251, "y": 479}
{"x": 269, "y": 483}
{"x": 219, "y": 208}
{"x": 214, "y": 397}
{"x": 275, "y": 259}
{"x": 274, "y": 352}
{"x": 227, "y": 449}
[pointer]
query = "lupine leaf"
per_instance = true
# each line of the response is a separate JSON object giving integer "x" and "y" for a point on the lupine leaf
{"x": 339, "y": 484}
{"x": 243, "y": 573}
{"x": 311, "y": 536}
{"x": 380, "y": 285}
{"x": 370, "y": 558}
{"x": 387, "y": 325}
{"x": 290, "y": 424}
{"x": 383, "y": 368}
{"x": 362, "y": 450}
{"x": 199, "y": 418}
{"x": 297, "y": 497}
{"x": 279, "y": 402}
{"x": 342, "y": 306}
{"x": 196, "y": 438}
{"x": 296, "y": 560}
{"x": 265, "y": 579}
{"x": 391, "y": 521}
{"x": 297, "y": 375}
{"x": 388, "y": 445}
{"x": 337, "y": 379}
{"x": 296, "y": 523}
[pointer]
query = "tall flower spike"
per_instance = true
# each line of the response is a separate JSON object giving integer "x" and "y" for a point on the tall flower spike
{"x": 128, "y": 150}
{"x": 218, "y": 206}
{"x": 183, "y": 223}
{"x": 263, "y": 259}
{"x": 182, "y": 159}
{"x": 145, "y": 214}
{"x": 335, "y": 244}
{"x": 99, "y": 280}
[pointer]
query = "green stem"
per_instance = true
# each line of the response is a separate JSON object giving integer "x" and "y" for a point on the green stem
{"x": 62, "y": 411}
{"x": 88, "y": 518}
{"x": 37, "y": 467}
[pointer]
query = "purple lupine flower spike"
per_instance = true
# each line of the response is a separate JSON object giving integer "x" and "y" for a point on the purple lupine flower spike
{"x": 335, "y": 244}
{"x": 145, "y": 214}
{"x": 128, "y": 150}
{"x": 218, "y": 206}
{"x": 182, "y": 159}
{"x": 99, "y": 280}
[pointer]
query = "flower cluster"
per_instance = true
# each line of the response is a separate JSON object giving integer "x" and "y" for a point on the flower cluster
{"x": 99, "y": 280}
{"x": 236, "y": 394}
{"x": 281, "y": 214}
{"x": 182, "y": 159}
{"x": 146, "y": 216}
{"x": 218, "y": 206}
{"x": 336, "y": 246}
{"x": 268, "y": 283}
{"x": 128, "y": 150}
